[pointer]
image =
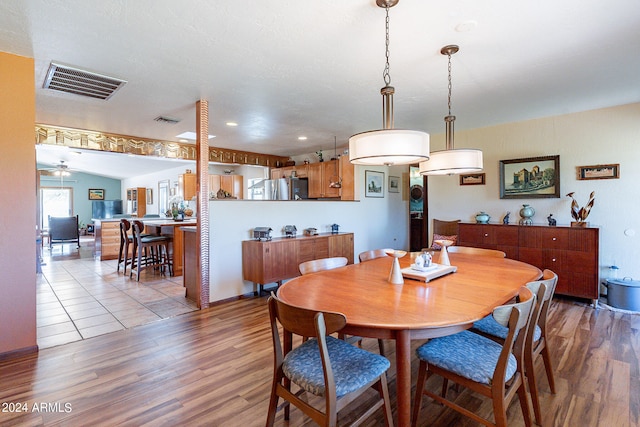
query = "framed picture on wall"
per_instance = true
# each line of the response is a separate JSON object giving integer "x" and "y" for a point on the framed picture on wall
{"x": 394, "y": 184}
{"x": 96, "y": 194}
{"x": 599, "y": 172}
{"x": 530, "y": 178}
{"x": 374, "y": 184}
{"x": 472, "y": 179}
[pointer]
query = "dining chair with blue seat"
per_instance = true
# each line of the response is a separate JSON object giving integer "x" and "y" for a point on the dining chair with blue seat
{"x": 323, "y": 264}
{"x": 323, "y": 366}
{"x": 484, "y": 366}
{"x": 536, "y": 342}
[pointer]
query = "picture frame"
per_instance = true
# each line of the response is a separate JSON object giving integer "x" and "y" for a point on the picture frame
{"x": 394, "y": 184}
{"x": 96, "y": 194}
{"x": 373, "y": 184}
{"x": 149, "y": 196}
{"x": 472, "y": 179}
{"x": 530, "y": 178}
{"x": 611, "y": 171}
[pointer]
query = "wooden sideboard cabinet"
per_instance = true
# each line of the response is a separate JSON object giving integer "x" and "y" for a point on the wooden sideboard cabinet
{"x": 273, "y": 261}
{"x": 571, "y": 252}
{"x": 490, "y": 236}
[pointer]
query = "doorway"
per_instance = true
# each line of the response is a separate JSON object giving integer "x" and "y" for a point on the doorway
{"x": 55, "y": 201}
{"x": 418, "y": 210}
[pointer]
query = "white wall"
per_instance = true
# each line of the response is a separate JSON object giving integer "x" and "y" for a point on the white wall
{"x": 375, "y": 222}
{"x": 603, "y": 136}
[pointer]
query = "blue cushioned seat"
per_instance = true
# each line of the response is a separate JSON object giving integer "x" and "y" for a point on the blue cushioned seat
{"x": 353, "y": 368}
{"x": 466, "y": 354}
{"x": 488, "y": 325}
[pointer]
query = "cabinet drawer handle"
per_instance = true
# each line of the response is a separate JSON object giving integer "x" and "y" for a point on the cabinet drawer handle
{"x": 486, "y": 234}
{"x": 554, "y": 239}
{"x": 553, "y": 259}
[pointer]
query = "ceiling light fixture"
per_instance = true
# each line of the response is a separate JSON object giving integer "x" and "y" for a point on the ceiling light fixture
{"x": 388, "y": 146}
{"x": 451, "y": 161}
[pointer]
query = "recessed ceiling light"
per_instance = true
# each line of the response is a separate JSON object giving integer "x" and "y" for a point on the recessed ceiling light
{"x": 302, "y": 138}
{"x": 232, "y": 124}
{"x": 466, "y": 26}
{"x": 191, "y": 135}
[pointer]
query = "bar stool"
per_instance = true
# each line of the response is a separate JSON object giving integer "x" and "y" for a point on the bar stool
{"x": 149, "y": 251}
{"x": 125, "y": 240}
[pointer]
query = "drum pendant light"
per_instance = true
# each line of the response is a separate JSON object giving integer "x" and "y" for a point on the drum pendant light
{"x": 451, "y": 161}
{"x": 388, "y": 146}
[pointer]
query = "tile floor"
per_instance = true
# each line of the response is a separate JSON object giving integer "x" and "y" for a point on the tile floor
{"x": 79, "y": 297}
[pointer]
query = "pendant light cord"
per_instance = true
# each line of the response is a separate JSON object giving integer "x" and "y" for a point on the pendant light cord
{"x": 449, "y": 101}
{"x": 385, "y": 74}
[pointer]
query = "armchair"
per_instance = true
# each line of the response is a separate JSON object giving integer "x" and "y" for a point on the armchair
{"x": 63, "y": 230}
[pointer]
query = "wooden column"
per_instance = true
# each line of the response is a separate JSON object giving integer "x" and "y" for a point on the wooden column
{"x": 202, "y": 170}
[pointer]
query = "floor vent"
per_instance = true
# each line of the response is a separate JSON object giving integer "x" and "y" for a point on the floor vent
{"x": 167, "y": 120}
{"x": 81, "y": 82}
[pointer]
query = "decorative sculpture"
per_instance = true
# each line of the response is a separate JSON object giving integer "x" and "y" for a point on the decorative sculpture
{"x": 552, "y": 221}
{"x": 505, "y": 220}
{"x": 580, "y": 214}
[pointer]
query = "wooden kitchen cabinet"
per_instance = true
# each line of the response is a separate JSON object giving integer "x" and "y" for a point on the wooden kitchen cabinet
{"x": 107, "y": 239}
{"x": 571, "y": 252}
{"x": 302, "y": 171}
{"x": 137, "y": 201}
{"x": 319, "y": 174}
{"x": 275, "y": 260}
{"x": 232, "y": 184}
{"x": 188, "y": 183}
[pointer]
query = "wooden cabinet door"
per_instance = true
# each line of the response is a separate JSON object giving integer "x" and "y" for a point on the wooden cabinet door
{"x": 232, "y": 184}
{"x": 302, "y": 171}
{"x": 330, "y": 169}
{"x": 347, "y": 173}
{"x": 315, "y": 180}
{"x": 188, "y": 185}
{"x": 214, "y": 184}
{"x": 341, "y": 245}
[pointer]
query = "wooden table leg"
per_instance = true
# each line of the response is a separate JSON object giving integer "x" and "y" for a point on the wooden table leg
{"x": 403, "y": 377}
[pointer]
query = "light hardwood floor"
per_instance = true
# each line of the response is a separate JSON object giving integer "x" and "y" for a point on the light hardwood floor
{"x": 214, "y": 367}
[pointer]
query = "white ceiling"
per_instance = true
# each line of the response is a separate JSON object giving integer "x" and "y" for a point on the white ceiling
{"x": 314, "y": 68}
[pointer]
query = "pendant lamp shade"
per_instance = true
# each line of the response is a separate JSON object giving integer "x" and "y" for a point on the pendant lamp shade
{"x": 389, "y": 147}
{"x": 450, "y": 162}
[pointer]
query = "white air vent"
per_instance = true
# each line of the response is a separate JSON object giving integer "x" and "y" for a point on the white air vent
{"x": 167, "y": 120}
{"x": 81, "y": 82}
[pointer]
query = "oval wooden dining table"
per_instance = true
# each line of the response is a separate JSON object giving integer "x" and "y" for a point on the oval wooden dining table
{"x": 375, "y": 308}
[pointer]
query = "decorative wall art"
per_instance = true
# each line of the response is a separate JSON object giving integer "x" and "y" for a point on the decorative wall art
{"x": 374, "y": 184}
{"x": 599, "y": 172}
{"x": 96, "y": 194}
{"x": 394, "y": 184}
{"x": 530, "y": 178}
{"x": 472, "y": 179}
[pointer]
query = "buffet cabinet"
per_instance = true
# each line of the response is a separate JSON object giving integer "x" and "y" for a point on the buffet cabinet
{"x": 570, "y": 252}
{"x": 273, "y": 261}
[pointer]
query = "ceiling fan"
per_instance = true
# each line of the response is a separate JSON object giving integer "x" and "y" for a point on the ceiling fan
{"x": 61, "y": 169}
